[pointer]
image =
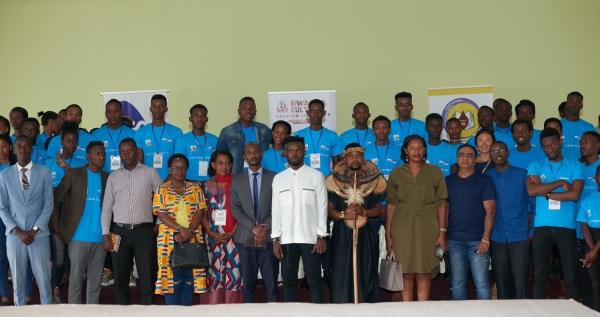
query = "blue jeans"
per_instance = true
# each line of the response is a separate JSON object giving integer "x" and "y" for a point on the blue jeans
{"x": 183, "y": 285}
{"x": 461, "y": 254}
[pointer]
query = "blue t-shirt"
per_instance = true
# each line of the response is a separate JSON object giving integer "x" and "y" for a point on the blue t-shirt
{"x": 249, "y": 133}
{"x": 362, "y": 137}
{"x": 572, "y": 132}
{"x": 523, "y": 159}
{"x": 4, "y": 166}
{"x": 400, "y": 130}
{"x": 58, "y": 172}
{"x": 112, "y": 138}
{"x": 589, "y": 186}
{"x": 535, "y": 138}
{"x": 504, "y": 135}
{"x": 442, "y": 156}
{"x": 549, "y": 172}
{"x": 325, "y": 143}
{"x": 466, "y": 215}
{"x": 198, "y": 150}
{"x": 90, "y": 228}
{"x": 38, "y": 156}
{"x": 82, "y": 143}
{"x": 158, "y": 140}
{"x": 589, "y": 211}
{"x": 386, "y": 157}
{"x": 273, "y": 161}
{"x": 41, "y": 139}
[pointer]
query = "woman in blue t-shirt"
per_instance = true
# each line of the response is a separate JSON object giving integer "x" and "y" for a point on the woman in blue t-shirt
{"x": 273, "y": 159}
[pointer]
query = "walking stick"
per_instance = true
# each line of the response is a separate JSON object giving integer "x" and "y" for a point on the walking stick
{"x": 354, "y": 245}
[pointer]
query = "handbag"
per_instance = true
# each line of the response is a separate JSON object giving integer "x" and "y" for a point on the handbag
{"x": 390, "y": 274}
{"x": 192, "y": 255}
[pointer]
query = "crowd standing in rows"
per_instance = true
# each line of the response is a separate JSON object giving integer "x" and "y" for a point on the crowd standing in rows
{"x": 262, "y": 199}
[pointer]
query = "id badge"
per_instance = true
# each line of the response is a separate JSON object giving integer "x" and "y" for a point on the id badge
{"x": 553, "y": 204}
{"x": 158, "y": 160}
{"x": 202, "y": 168}
{"x": 315, "y": 160}
{"x": 220, "y": 217}
{"x": 115, "y": 162}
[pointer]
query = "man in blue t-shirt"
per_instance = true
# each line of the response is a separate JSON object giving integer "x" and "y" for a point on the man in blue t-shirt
{"x": 156, "y": 141}
{"x": 440, "y": 154}
{"x": 65, "y": 158}
{"x": 361, "y": 133}
{"x": 557, "y": 125}
{"x": 472, "y": 207}
{"x": 197, "y": 145}
{"x": 526, "y": 110}
{"x": 73, "y": 114}
{"x": 405, "y": 125}
{"x": 503, "y": 114}
{"x": 112, "y": 134}
{"x": 556, "y": 182}
{"x": 321, "y": 144}
{"x": 78, "y": 223}
{"x": 573, "y": 126}
{"x": 524, "y": 152}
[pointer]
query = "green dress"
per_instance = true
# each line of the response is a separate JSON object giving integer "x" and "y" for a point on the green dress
{"x": 415, "y": 226}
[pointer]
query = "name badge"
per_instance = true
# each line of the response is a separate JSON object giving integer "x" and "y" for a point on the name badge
{"x": 220, "y": 217}
{"x": 315, "y": 160}
{"x": 553, "y": 204}
{"x": 202, "y": 168}
{"x": 158, "y": 161}
{"x": 115, "y": 162}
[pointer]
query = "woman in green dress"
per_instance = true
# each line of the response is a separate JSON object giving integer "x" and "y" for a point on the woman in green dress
{"x": 416, "y": 217}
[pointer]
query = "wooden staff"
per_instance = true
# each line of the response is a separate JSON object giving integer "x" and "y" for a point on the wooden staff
{"x": 354, "y": 245}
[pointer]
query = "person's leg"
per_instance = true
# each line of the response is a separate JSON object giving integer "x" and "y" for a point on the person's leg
{"x": 408, "y": 281}
{"x": 457, "y": 252}
{"x": 94, "y": 272}
{"x": 480, "y": 268}
{"x": 585, "y": 283}
{"x": 17, "y": 257}
{"x": 39, "y": 256}
{"x": 501, "y": 268}
{"x": 566, "y": 241}
{"x": 519, "y": 263}
{"x": 174, "y": 298}
{"x": 79, "y": 254}
{"x": 147, "y": 265}
{"x": 594, "y": 274}
{"x": 312, "y": 269}
{"x": 122, "y": 264}
{"x": 29, "y": 283}
{"x": 3, "y": 265}
{"x": 249, "y": 270}
{"x": 58, "y": 253}
{"x": 186, "y": 291}
{"x": 269, "y": 269}
{"x": 289, "y": 271}
{"x": 541, "y": 248}
{"x": 423, "y": 286}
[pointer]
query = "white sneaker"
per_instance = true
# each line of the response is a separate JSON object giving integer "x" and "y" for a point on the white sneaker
{"x": 132, "y": 282}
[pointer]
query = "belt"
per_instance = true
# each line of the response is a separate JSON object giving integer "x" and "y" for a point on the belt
{"x": 133, "y": 226}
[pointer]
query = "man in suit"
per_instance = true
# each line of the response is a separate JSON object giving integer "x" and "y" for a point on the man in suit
{"x": 251, "y": 206}
{"x": 81, "y": 191}
{"x": 26, "y": 202}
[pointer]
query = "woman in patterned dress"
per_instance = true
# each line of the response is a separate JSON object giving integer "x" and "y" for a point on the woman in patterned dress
{"x": 224, "y": 280}
{"x": 180, "y": 207}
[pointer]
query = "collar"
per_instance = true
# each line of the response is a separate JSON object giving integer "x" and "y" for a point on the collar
{"x": 28, "y": 166}
{"x": 260, "y": 170}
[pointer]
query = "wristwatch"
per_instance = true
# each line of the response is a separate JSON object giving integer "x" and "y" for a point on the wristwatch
{"x": 36, "y": 228}
{"x": 342, "y": 215}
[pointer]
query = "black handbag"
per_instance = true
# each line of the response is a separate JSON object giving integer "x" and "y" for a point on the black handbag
{"x": 192, "y": 255}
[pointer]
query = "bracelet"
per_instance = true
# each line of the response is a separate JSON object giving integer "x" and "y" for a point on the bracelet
{"x": 364, "y": 212}
{"x": 342, "y": 215}
{"x": 276, "y": 239}
{"x": 547, "y": 196}
{"x": 486, "y": 241}
{"x": 321, "y": 237}
{"x": 443, "y": 229}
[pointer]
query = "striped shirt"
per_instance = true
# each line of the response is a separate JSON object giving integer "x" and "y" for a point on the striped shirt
{"x": 128, "y": 196}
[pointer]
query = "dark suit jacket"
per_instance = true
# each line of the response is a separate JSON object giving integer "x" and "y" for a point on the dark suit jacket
{"x": 242, "y": 206}
{"x": 73, "y": 188}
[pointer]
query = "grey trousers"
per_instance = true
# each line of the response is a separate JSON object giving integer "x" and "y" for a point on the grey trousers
{"x": 86, "y": 256}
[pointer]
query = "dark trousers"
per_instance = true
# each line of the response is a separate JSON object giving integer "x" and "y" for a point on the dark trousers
{"x": 250, "y": 262}
{"x": 510, "y": 265}
{"x": 312, "y": 269}
{"x": 60, "y": 259}
{"x": 140, "y": 243}
{"x": 585, "y": 283}
{"x": 594, "y": 274}
{"x": 566, "y": 242}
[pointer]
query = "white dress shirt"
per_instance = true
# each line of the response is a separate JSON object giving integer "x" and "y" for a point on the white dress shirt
{"x": 299, "y": 206}
{"x": 27, "y": 172}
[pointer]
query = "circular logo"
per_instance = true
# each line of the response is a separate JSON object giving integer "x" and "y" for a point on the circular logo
{"x": 465, "y": 110}
{"x": 282, "y": 106}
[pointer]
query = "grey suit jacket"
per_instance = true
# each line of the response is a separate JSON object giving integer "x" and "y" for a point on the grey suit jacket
{"x": 242, "y": 206}
{"x": 73, "y": 189}
{"x": 26, "y": 208}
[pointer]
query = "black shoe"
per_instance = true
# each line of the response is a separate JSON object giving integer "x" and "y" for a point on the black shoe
{"x": 304, "y": 284}
{"x": 327, "y": 278}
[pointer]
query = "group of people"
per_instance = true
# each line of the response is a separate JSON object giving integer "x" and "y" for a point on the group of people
{"x": 263, "y": 198}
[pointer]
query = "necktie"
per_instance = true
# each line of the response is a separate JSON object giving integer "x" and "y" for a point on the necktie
{"x": 255, "y": 195}
{"x": 24, "y": 180}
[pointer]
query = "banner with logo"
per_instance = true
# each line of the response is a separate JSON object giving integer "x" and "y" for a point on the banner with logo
{"x": 136, "y": 104}
{"x": 462, "y": 103}
{"x": 291, "y": 106}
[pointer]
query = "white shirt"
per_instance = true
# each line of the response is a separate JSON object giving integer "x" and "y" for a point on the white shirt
{"x": 299, "y": 206}
{"x": 27, "y": 172}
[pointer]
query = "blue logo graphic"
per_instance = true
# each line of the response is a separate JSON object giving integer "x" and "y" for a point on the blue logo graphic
{"x": 132, "y": 112}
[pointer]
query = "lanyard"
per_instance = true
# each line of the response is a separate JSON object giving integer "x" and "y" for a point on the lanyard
{"x": 384, "y": 155}
{"x": 554, "y": 178}
{"x": 202, "y": 146}
{"x": 68, "y": 163}
{"x": 401, "y": 128}
{"x": 364, "y": 139}
{"x": 161, "y": 135}
{"x": 312, "y": 140}
{"x": 220, "y": 195}
{"x": 118, "y": 137}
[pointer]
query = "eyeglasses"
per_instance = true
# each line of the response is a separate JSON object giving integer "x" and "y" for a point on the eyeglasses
{"x": 179, "y": 168}
{"x": 501, "y": 151}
